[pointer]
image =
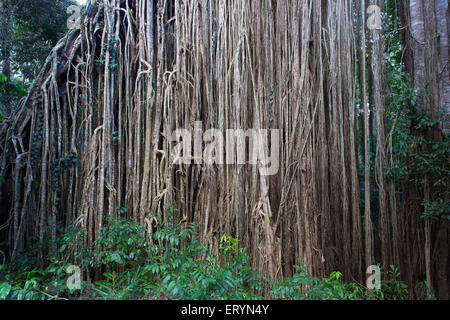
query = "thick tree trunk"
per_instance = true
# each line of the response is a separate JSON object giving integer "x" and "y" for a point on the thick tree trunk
{"x": 417, "y": 10}
{"x": 443, "y": 31}
{"x": 429, "y": 44}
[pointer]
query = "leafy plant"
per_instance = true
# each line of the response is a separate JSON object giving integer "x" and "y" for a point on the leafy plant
{"x": 170, "y": 263}
{"x": 122, "y": 243}
{"x": 392, "y": 288}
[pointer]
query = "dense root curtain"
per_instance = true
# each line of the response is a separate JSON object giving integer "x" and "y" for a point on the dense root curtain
{"x": 93, "y": 138}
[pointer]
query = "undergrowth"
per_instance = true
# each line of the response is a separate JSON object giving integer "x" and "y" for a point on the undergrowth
{"x": 128, "y": 261}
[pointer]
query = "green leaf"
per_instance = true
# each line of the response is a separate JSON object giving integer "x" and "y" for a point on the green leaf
{"x": 115, "y": 257}
{"x": 5, "y": 289}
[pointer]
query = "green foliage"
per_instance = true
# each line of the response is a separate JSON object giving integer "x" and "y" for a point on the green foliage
{"x": 9, "y": 87}
{"x": 330, "y": 288}
{"x": 424, "y": 292}
{"x": 111, "y": 46}
{"x": 437, "y": 209}
{"x": 421, "y": 157}
{"x": 392, "y": 288}
{"x": 38, "y": 25}
{"x": 169, "y": 263}
{"x": 228, "y": 245}
{"x": 304, "y": 287}
{"x": 5, "y": 289}
{"x": 25, "y": 286}
{"x": 119, "y": 286}
{"x": 420, "y": 151}
{"x": 121, "y": 243}
{"x": 115, "y": 136}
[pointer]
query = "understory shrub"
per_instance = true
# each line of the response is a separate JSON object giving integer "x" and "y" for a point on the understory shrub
{"x": 129, "y": 261}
